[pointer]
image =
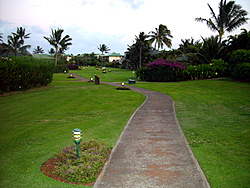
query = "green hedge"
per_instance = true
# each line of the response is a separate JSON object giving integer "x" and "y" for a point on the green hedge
{"x": 20, "y": 73}
{"x": 165, "y": 71}
{"x": 242, "y": 71}
{"x": 217, "y": 68}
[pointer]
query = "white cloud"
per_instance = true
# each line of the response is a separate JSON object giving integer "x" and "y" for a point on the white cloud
{"x": 112, "y": 22}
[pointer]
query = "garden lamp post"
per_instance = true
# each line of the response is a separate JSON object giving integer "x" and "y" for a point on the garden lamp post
{"x": 77, "y": 138}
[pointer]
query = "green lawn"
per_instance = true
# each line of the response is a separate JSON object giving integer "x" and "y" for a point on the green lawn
{"x": 214, "y": 115}
{"x": 116, "y": 75}
{"x": 35, "y": 125}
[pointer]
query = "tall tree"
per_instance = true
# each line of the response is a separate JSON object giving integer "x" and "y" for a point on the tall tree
{"x": 104, "y": 49}
{"x": 211, "y": 48}
{"x": 60, "y": 43}
{"x": 230, "y": 17}
{"x": 160, "y": 36}
{"x": 16, "y": 42}
{"x": 141, "y": 41}
{"x": 38, "y": 50}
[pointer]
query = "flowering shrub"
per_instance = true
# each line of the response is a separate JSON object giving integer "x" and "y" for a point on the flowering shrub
{"x": 162, "y": 70}
{"x": 19, "y": 73}
{"x": 93, "y": 155}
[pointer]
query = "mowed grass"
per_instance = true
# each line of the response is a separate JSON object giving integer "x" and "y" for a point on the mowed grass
{"x": 214, "y": 115}
{"x": 115, "y": 74}
{"x": 215, "y": 118}
{"x": 35, "y": 125}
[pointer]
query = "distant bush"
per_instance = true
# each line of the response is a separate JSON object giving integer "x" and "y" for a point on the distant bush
{"x": 215, "y": 69}
{"x": 162, "y": 70}
{"x": 61, "y": 69}
{"x": 93, "y": 155}
{"x": 239, "y": 56}
{"x": 242, "y": 71}
{"x": 20, "y": 73}
{"x": 72, "y": 67}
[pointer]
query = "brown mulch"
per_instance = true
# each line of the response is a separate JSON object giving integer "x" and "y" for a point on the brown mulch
{"x": 49, "y": 166}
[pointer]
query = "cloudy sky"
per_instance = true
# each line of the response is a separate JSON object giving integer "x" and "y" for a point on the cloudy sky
{"x": 111, "y": 22}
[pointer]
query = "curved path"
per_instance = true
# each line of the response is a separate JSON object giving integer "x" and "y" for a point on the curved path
{"x": 152, "y": 151}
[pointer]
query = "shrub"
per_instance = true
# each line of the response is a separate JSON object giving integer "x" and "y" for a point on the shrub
{"x": 93, "y": 155}
{"x": 19, "y": 73}
{"x": 61, "y": 69}
{"x": 242, "y": 71}
{"x": 203, "y": 71}
{"x": 72, "y": 67}
{"x": 239, "y": 56}
{"x": 162, "y": 70}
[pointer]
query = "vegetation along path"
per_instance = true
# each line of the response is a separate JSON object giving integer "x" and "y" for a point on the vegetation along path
{"x": 152, "y": 150}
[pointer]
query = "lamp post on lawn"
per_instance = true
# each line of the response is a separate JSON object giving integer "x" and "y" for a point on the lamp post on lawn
{"x": 77, "y": 137}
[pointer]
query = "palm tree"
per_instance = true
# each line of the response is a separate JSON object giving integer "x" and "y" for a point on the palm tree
{"x": 51, "y": 51}
{"x": 141, "y": 41}
{"x": 16, "y": 46}
{"x": 59, "y": 42}
{"x": 230, "y": 17}
{"x": 161, "y": 36}
{"x": 38, "y": 50}
{"x": 211, "y": 48}
{"x": 21, "y": 34}
{"x": 103, "y": 48}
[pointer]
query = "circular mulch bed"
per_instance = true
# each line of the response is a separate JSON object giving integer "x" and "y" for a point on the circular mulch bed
{"x": 49, "y": 166}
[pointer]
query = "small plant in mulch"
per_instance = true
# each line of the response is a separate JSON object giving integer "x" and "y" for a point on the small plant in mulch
{"x": 84, "y": 170}
{"x": 122, "y": 88}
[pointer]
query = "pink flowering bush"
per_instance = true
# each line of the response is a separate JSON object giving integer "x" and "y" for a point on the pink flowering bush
{"x": 162, "y": 70}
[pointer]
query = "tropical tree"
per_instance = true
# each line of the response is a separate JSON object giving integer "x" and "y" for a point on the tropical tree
{"x": 16, "y": 42}
{"x": 160, "y": 36}
{"x": 104, "y": 49}
{"x": 241, "y": 41}
{"x": 51, "y": 51}
{"x": 38, "y": 50}
{"x": 211, "y": 48}
{"x": 60, "y": 43}
{"x": 21, "y": 34}
{"x": 141, "y": 42}
{"x": 138, "y": 54}
{"x": 230, "y": 17}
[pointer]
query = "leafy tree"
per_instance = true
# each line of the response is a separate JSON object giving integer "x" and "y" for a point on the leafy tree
{"x": 138, "y": 54}
{"x": 51, "y": 51}
{"x": 230, "y": 17}
{"x": 241, "y": 41}
{"x": 211, "y": 48}
{"x": 15, "y": 44}
{"x": 38, "y": 50}
{"x": 104, "y": 49}
{"x": 160, "y": 36}
{"x": 60, "y": 43}
{"x": 1, "y": 40}
{"x": 141, "y": 42}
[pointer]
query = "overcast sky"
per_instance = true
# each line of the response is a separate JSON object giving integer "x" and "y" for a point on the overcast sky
{"x": 111, "y": 22}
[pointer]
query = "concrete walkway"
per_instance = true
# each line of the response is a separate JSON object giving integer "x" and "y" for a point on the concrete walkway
{"x": 152, "y": 151}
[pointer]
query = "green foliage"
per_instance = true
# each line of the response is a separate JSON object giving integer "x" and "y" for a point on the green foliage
{"x": 162, "y": 71}
{"x": 239, "y": 56}
{"x": 215, "y": 69}
{"x": 61, "y": 69}
{"x": 242, "y": 71}
{"x": 93, "y": 155}
{"x": 20, "y": 73}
